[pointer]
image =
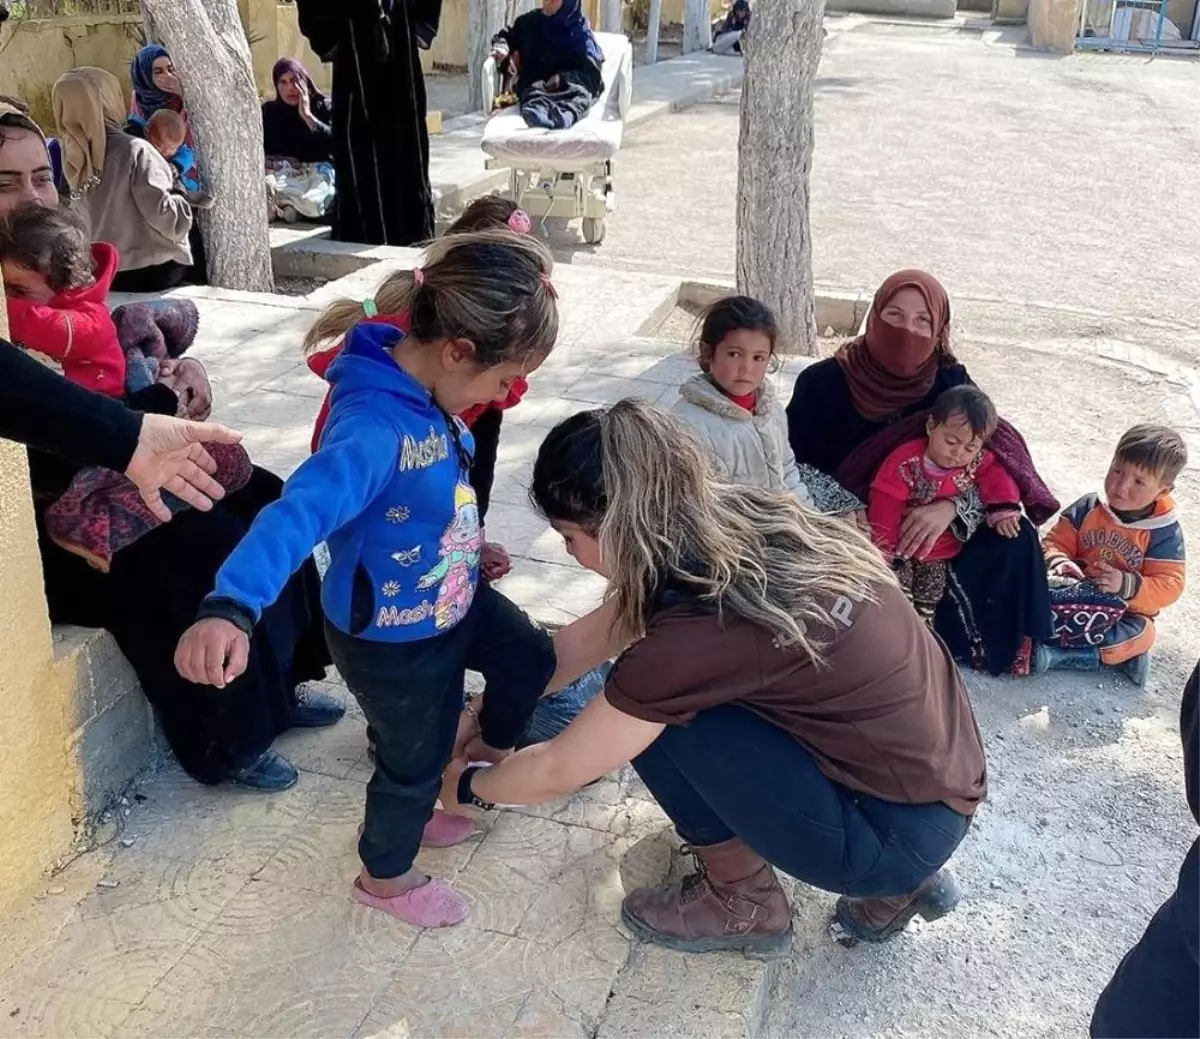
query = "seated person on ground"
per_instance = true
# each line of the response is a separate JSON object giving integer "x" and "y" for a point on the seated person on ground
{"x": 122, "y": 185}
{"x": 553, "y": 61}
{"x": 731, "y": 404}
{"x": 167, "y": 133}
{"x": 948, "y": 460}
{"x": 1123, "y": 558}
{"x": 296, "y": 122}
{"x": 728, "y": 37}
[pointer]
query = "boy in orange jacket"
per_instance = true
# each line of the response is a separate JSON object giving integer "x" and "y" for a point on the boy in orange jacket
{"x": 1129, "y": 548}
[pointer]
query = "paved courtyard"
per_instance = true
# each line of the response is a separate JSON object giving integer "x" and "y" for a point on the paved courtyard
{"x": 212, "y": 912}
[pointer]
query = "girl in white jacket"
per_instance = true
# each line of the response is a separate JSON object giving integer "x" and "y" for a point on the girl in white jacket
{"x": 733, "y": 408}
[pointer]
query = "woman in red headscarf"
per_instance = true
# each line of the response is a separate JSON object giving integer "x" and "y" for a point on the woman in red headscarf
{"x": 849, "y": 411}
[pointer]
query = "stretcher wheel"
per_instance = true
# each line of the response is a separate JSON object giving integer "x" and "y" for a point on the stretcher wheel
{"x": 593, "y": 230}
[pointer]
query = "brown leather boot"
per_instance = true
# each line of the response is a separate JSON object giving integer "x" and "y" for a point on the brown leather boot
{"x": 733, "y": 902}
{"x": 878, "y": 919}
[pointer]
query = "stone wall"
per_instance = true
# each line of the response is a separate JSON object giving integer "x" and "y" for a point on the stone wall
{"x": 34, "y": 53}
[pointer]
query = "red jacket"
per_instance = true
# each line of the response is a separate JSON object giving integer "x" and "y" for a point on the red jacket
{"x": 76, "y": 329}
{"x": 319, "y": 364}
{"x": 906, "y": 478}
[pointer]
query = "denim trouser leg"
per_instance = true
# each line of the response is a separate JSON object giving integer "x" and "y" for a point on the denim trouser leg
{"x": 731, "y": 773}
{"x": 556, "y": 711}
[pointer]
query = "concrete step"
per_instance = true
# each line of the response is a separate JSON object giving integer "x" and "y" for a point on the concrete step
{"x": 113, "y": 733}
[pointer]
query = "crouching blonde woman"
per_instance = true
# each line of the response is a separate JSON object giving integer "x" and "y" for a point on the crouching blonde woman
{"x": 778, "y": 695}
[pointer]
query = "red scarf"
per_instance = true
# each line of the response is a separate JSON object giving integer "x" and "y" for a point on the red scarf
{"x": 890, "y": 368}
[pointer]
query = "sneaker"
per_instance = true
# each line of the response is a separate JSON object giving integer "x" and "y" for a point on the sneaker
{"x": 316, "y": 710}
{"x": 1136, "y": 670}
{"x": 270, "y": 773}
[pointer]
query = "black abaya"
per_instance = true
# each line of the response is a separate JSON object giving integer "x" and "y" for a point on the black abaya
{"x": 150, "y": 597}
{"x": 380, "y": 139}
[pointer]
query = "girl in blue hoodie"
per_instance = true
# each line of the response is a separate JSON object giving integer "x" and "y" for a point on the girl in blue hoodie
{"x": 406, "y": 614}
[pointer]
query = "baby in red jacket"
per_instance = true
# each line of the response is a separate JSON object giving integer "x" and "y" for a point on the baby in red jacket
{"x": 949, "y": 460}
{"x": 56, "y": 282}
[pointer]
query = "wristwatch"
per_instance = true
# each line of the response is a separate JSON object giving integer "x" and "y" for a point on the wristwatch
{"x": 465, "y": 796}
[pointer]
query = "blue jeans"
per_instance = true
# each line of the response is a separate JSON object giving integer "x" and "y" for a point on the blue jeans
{"x": 556, "y": 711}
{"x": 730, "y": 773}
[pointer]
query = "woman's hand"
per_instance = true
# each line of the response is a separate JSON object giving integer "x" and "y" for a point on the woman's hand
{"x": 189, "y": 380}
{"x": 922, "y": 526}
{"x": 169, "y": 456}
{"x": 212, "y": 652}
{"x": 304, "y": 106}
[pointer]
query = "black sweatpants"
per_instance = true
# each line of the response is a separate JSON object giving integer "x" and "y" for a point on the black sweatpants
{"x": 411, "y": 694}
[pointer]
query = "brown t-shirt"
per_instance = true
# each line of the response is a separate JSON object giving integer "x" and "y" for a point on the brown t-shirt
{"x": 888, "y": 715}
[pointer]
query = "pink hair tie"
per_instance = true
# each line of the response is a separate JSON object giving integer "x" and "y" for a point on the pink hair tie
{"x": 518, "y": 220}
{"x": 549, "y": 286}
{"x": 418, "y": 277}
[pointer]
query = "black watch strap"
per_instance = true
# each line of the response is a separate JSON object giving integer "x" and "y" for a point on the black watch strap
{"x": 465, "y": 795}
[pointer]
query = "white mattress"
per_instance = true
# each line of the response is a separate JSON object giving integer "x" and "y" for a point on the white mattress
{"x": 595, "y": 138}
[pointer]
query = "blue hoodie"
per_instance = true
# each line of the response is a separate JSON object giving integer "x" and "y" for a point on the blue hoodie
{"x": 388, "y": 488}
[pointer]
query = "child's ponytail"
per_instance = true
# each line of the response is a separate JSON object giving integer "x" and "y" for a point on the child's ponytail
{"x": 392, "y": 297}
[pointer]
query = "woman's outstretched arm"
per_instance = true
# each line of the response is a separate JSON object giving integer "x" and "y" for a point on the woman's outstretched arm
{"x": 598, "y": 742}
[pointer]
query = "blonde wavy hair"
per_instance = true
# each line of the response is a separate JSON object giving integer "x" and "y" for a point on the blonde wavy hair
{"x": 483, "y": 221}
{"x": 638, "y": 480}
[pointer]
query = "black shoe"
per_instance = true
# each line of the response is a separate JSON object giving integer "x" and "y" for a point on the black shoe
{"x": 424, "y": 32}
{"x": 317, "y": 710}
{"x": 270, "y": 773}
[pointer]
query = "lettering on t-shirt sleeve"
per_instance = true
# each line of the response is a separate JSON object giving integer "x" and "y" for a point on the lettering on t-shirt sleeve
{"x": 843, "y": 611}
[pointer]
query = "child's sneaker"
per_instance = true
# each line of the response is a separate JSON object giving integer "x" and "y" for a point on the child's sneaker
{"x": 1048, "y": 657}
{"x": 1136, "y": 670}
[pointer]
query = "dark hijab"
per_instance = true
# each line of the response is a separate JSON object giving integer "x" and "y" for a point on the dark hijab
{"x": 141, "y": 72}
{"x": 300, "y": 73}
{"x": 285, "y": 133}
{"x": 890, "y": 368}
{"x": 738, "y": 17}
{"x": 567, "y": 32}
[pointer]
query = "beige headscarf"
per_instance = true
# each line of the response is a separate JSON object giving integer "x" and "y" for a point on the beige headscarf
{"x": 15, "y": 113}
{"x": 85, "y": 99}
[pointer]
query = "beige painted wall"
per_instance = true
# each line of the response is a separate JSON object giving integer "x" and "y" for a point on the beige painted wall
{"x": 33, "y": 54}
{"x": 37, "y": 775}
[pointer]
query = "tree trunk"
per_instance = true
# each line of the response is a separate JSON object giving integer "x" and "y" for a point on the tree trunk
{"x": 212, "y": 57}
{"x": 610, "y": 16}
{"x": 485, "y": 18}
{"x": 653, "y": 26}
{"x": 697, "y": 25}
{"x": 774, "y": 245}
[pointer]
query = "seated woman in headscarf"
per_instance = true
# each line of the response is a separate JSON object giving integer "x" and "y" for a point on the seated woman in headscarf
{"x": 296, "y": 122}
{"x": 554, "y": 61}
{"x": 849, "y": 411}
{"x": 122, "y": 184}
{"x": 155, "y": 87}
{"x": 728, "y": 37}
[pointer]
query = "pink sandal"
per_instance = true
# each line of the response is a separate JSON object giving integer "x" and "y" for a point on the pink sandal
{"x": 444, "y": 830}
{"x": 433, "y": 904}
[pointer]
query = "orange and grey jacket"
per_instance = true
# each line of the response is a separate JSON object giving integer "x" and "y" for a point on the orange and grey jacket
{"x": 1150, "y": 551}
